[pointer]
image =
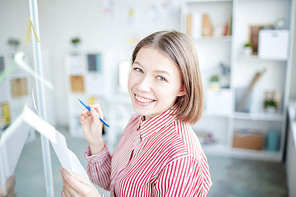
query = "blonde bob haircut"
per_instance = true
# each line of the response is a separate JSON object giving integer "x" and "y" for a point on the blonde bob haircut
{"x": 180, "y": 49}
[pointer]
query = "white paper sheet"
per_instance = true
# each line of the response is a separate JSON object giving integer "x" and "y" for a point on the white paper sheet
{"x": 40, "y": 125}
{"x": 14, "y": 138}
{"x": 95, "y": 84}
{"x": 67, "y": 158}
{"x": 75, "y": 64}
{"x": 11, "y": 146}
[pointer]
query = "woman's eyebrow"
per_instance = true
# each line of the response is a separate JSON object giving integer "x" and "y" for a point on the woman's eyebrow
{"x": 161, "y": 71}
{"x": 136, "y": 62}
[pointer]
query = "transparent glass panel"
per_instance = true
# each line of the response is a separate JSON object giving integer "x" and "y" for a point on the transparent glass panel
{"x": 21, "y": 161}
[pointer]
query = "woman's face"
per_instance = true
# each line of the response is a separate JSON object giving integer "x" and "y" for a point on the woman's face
{"x": 154, "y": 82}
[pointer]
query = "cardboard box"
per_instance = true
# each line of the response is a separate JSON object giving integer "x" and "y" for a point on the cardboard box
{"x": 248, "y": 140}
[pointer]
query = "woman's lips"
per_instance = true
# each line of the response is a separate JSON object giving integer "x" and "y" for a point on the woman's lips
{"x": 143, "y": 101}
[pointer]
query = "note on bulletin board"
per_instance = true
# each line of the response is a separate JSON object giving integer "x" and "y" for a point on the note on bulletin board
{"x": 2, "y": 65}
{"x": 94, "y": 63}
{"x": 19, "y": 87}
{"x": 75, "y": 64}
{"x": 5, "y": 113}
{"x": 95, "y": 84}
{"x": 77, "y": 83}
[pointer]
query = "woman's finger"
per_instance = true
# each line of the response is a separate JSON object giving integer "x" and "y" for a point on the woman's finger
{"x": 98, "y": 109}
{"x": 73, "y": 185}
{"x": 84, "y": 112}
{"x": 65, "y": 192}
{"x": 94, "y": 113}
{"x": 80, "y": 178}
{"x": 71, "y": 192}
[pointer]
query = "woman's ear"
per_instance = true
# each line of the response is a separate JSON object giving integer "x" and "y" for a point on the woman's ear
{"x": 182, "y": 91}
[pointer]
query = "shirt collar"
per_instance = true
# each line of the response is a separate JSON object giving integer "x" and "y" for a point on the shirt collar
{"x": 154, "y": 124}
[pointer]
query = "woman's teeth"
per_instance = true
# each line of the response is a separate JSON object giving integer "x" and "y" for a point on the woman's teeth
{"x": 144, "y": 100}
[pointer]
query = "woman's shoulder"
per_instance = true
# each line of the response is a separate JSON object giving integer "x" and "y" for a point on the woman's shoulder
{"x": 188, "y": 139}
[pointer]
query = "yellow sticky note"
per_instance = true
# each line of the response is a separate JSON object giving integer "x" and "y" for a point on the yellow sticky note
{"x": 91, "y": 100}
{"x": 131, "y": 13}
{"x": 132, "y": 41}
{"x": 6, "y": 113}
{"x": 28, "y": 32}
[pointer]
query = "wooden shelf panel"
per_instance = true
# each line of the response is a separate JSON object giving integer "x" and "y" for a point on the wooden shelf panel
{"x": 223, "y": 150}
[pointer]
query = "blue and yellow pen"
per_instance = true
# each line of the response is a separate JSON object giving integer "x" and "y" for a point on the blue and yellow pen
{"x": 88, "y": 108}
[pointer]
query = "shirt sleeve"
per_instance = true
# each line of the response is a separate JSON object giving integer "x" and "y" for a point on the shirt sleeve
{"x": 99, "y": 167}
{"x": 183, "y": 177}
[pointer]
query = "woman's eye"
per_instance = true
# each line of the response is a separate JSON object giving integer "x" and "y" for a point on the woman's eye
{"x": 138, "y": 69}
{"x": 161, "y": 78}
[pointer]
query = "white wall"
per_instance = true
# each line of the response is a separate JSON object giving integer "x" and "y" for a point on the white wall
{"x": 61, "y": 20}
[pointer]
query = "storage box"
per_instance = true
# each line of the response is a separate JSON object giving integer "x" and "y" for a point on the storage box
{"x": 248, "y": 140}
{"x": 273, "y": 44}
{"x": 219, "y": 102}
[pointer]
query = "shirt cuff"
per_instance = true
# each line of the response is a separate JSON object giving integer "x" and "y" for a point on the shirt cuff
{"x": 100, "y": 156}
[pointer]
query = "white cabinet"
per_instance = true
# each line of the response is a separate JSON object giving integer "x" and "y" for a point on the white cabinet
{"x": 219, "y": 102}
{"x": 232, "y": 23}
{"x": 273, "y": 44}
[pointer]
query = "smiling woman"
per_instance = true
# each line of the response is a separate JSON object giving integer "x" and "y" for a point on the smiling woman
{"x": 154, "y": 82}
{"x": 158, "y": 153}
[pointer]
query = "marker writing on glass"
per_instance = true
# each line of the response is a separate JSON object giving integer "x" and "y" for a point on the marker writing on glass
{"x": 88, "y": 108}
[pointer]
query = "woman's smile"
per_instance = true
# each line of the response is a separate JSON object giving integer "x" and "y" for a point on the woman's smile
{"x": 143, "y": 101}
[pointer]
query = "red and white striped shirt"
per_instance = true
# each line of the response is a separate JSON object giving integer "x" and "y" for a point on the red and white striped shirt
{"x": 158, "y": 157}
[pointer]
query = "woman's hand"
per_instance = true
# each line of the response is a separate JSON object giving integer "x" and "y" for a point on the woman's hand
{"x": 92, "y": 127}
{"x": 76, "y": 186}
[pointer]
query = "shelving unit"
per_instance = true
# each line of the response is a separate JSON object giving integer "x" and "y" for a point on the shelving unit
{"x": 16, "y": 90}
{"x": 85, "y": 81}
{"x": 97, "y": 86}
{"x": 228, "y": 49}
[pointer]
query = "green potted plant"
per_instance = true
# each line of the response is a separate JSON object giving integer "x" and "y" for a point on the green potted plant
{"x": 75, "y": 41}
{"x": 13, "y": 43}
{"x": 248, "y": 48}
{"x": 270, "y": 105}
{"x": 214, "y": 82}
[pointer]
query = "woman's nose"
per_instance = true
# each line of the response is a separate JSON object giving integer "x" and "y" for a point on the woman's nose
{"x": 145, "y": 84}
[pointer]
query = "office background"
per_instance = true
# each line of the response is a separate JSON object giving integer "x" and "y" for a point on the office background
{"x": 95, "y": 70}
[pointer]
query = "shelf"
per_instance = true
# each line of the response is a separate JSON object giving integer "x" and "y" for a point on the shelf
{"x": 214, "y": 39}
{"x": 221, "y": 115}
{"x": 208, "y": 1}
{"x": 258, "y": 116}
{"x": 257, "y": 58}
{"x": 215, "y": 49}
{"x": 223, "y": 150}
